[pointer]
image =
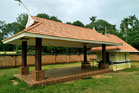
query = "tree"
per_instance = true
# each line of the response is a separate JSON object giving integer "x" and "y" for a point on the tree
{"x": 43, "y": 15}
{"x": 20, "y": 23}
{"x": 129, "y": 24}
{"x": 3, "y": 34}
{"x": 133, "y": 39}
{"x": 46, "y": 16}
{"x": 55, "y": 19}
{"x": 78, "y": 23}
{"x": 93, "y": 19}
{"x": 68, "y": 23}
{"x": 102, "y": 25}
{"x": 2, "y": 27}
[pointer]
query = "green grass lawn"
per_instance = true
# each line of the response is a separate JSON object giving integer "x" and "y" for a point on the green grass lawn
{"x": 126, "y": 81}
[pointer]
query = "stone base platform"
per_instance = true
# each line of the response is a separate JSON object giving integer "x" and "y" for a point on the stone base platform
{"x": 86, "y": 66}
{"x": 61, "y": 75}
{"x": 117, "y": 67}
{"x": 24, "y": 70}
{"x": 104, "y": 66}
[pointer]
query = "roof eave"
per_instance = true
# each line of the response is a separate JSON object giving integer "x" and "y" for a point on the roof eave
{"x": 12, "y": 38}
{"x": 118, "y": 51}
{"x": 33, "y": 35}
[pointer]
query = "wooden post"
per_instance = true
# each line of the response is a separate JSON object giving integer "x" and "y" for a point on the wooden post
{"x": 24, "y": 70}
{"x": 104, "y": 53}
{"x": 38, "y": 54}
{"x": 85, "y": 53}
{"x": 85, "y": 64}
{"x": 104, "y": 65}
{"x": 38, "y": 74}
{"x": 24, "y": 53}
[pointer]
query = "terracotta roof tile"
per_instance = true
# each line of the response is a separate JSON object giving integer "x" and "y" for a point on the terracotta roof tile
{"x": 53, "y": 28}
{"x": 124, "y": 47}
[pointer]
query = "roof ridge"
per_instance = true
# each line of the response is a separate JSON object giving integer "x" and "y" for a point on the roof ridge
{"x": 66, "y": 24}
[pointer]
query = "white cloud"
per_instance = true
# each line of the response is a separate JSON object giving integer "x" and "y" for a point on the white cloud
{"x": 71, "y": 10}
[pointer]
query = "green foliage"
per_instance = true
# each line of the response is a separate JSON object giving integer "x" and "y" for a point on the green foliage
{"x": 130, "y": 23}
{"x": 46, "y": 16}
{"x": 78, "y": 23}
{"x": 2, "y": 27}
{"x": 101, "y": 25}
{"x": 68, "y": 23}
{"x": 133, "y": 39}
{"x": 93, "y": 19}
{"x": 11, "y": 29}
{"x": 43, "y": 15}
{"x": 130, "y": 29}
{"x": 21, "y": 22}
{"x": 55, "y": 19}
{"x": 4, "y": 33}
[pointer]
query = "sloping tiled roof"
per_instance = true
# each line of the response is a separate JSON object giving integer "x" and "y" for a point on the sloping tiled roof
{"x": 124, "y": 47}
{"x": 53, "y": 28}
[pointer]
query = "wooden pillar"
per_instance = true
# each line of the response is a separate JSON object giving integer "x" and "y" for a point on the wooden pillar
{"x": 85, "y": 53}
{"x": 24, "y": 53}
{"x": 85, "y": 64}
{"x": 38, "y": 74}
{"x": 104, "y": 65}
{"x": 38, "y": 54}
{"x": 104, "y": 53}
{"x": 24, "y": 70}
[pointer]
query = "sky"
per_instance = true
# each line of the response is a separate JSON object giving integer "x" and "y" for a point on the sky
{"x": 112, "y": 11}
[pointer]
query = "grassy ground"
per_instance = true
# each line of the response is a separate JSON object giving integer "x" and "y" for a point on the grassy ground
{"x": 126, "y": 81}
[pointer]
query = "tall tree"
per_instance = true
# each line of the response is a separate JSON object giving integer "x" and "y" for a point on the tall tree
{"x": 43, "y": 15}
{"x": 4, "y": 32}
{"x": 78, "y": 23}
{"x": 129, "y": 24}
{"x": 102, "y": 25}
{"x": 68, "y": 23}
{"x": 21, "y": 22}
{"x": 46, "y": 16}
{"x": 93, "y": 19}
{"x": 55, "y": 19}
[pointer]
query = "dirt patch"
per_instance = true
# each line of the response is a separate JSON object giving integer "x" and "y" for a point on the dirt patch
{"x": 69, "y": 82}
{"x": 14, "y": 82}
{"x": 101, "y": 76}
{"x": 107, "y": 76}
{"x": 97, "y": 76}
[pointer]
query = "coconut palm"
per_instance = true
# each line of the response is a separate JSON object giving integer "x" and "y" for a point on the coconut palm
{"x": 93, "y": 19}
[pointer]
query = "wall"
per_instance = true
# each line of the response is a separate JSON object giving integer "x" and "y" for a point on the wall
{"x": 121, "y": 56}
{"x": 15, "y": 61}
{"x": 112, "y": 56}
{"x": 134, "y": 57}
